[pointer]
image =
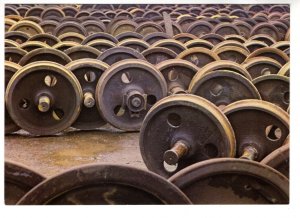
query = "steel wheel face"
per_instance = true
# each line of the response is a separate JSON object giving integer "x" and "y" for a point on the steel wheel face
{"x": 42, "y": 109}
{"x": 223, "y": 87}
{"x": 279, "y": 160}
{"x": 253, "y": 45}
{"x": 127, "y": 90}
{"x": 266, "y": 28}
{"x": 99, "y": 36}
{"x": 28, "y": 27}
{"x": 260, "y": 66}
{"x": 198, "y": 56}
{"x": 45, "y": 54}
{"x": 154, "y": 37}
{"x": 232, "y": 53}
{"x": 71, "y": 37}
{"x": 178, "y": 74}
{"x": 82, "y": 51}
{"x": 146, "y": 28}
{"x": 260, "y": 127}
{"x": 200, "y": 28}
{"x": 17, "y": 36}
{"x": 188, "y": 122}
{"x": 232, "y": 181}
{"x": 88, "y": 72}
{"x": 136, "y": 44}
{"x": 274, "y": 89}
{"x": 19, "y": 180}
{"x": 213, "y": 38}
{"x": 32, "y": 45}
{"x": 46, "y": 38}
{"x": 224, "y": 29}
{"x": 105, "y": 184}
{"x": 69, "y": 26}
{"x": 49, "y": 26}
{"x": 285, "y": 70}
{"x": 116, "y": 54}
{"x": 273, "y": 53}
{"x": 14, "y": 54}
{"x": 10, "y": 69}
{"x": 128, "y": 35}
{"x": 156, "y": 55}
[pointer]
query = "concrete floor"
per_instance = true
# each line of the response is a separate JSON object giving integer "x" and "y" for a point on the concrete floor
{"x": 52, "y": 155}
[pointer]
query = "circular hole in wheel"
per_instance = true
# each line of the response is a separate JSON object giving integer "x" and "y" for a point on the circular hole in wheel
{"x": 174, "y": 120}
{"x": 24, "y": 103}
{"x": 118, "y": 111}
{"x": 90, "y": 76}
{"x": 265, "y": 71}
{"x": 151, "y": 99}
{"x": 273, "y": 132}
{"x": 286, "y": 97}
{"x": 170, "y": 168}
{"x": 50, "y": 80}
{"x": 126, "y": 78}
{"x": 172, "y": 75}
{"x": 58, "y": 114}
{"x": 211, "y": 150}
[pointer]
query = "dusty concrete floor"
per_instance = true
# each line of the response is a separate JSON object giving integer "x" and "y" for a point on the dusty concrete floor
{"x": 52, "y": 155}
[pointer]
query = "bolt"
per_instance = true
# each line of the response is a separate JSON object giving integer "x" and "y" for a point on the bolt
{"x": 136, "y": 102}
{"x": 249, "y": 153}
{"x": 216, "y": 90}
{"x": 44, "y": 103}
{"x": 173, "y": 155}
{"x": 88, "y": 100}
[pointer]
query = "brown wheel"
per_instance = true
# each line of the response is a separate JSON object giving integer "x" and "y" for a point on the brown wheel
{"x": 155, "y": 55}
{"x": 28, "y": 27}
{"x": 237, "y": 38}
{"x": 256, "y": 8}
{"x": 93, "y": 26}
{"x": 151, "y": 13}
{"x": 213, "y": 38}
{"x": 22, "y": 11}
{"x": 185, "y": 21}
{"x": 139, "y": 84}
{"x": 259, "y": 66}
{"x": 224, "y": 29}
{"x": 69, "y": 26}
{"x": 10, "y": 43}
{"x": 192, "y": 129}
{"x": 73, "y": 19}
{"x": 281, "y": 27}
{"x": 19, "y": 180}
{"x": 198, "y": 56}
{"x": 10, "y": 69}
{"x": 244, "y": 28}
{"x": 263, "y": 38}
{"x": 171, "y": 44}
{"x": 224, "y": 65}
{"x": 128, "y": 35}
{"x": 82, "y": 51}
{"x": 14, "y": 54}
{"x": 14, "y": 17}
{"x": 267, "y": 127}
{"x": 136, "y": 44}
{"x": 266, "y": 28}
{"x": 10, "y": 11}
{"x": 17, "y": 36}
{"x": 253, "y": 45}
{"x": 287, "y": 35}
{"x": 184, "y": 37}
{"x": 45, "y": 38}
{"x": 105, "y": 184}
{"x": 282, "y": 45}
{"x": 175, "y": 27}
{"x": 232, "y": 53}
{"x": 71, "y": 37}
{"x": 95, "y": 36}
{"x": 285, "y": 70}
{"x": 223, "y": 87}
{"x": 227, "y": 43}
{"x": 279, "y": 160}
{"x": 49, "y": 26}
{"x": 178, "y": 74}
{"x": 52, "y": 12}
{"x": 154, "y": 37}
{"x": 101, "y": 44}
{"x": 9, "y": 23}
{"x": 123, "y": 26}
{"x": 42, "y": 109}
{"x": 199, "y": 43}
{"x": 62, "y": 46}
{"x": 274, "y": 89}
{"x": 88, "y": 71}
{"x": 273, "y": 53}
{"x": 237, "y": 181}
{"x": 32, "y": 45}
{"x": 146, "y": 28}
{"x": 70, "y": 11}
{"x": 200, "y": 28}
{"x": 35, "y": 11}
{"x": 45, "y": 54}
{"x": 116, "y": 54}
{"x": 83, "y": 13}
{"x": 36, "y": 20}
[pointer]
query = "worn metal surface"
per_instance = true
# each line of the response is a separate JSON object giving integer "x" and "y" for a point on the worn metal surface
{"x": 55, "y": 154}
